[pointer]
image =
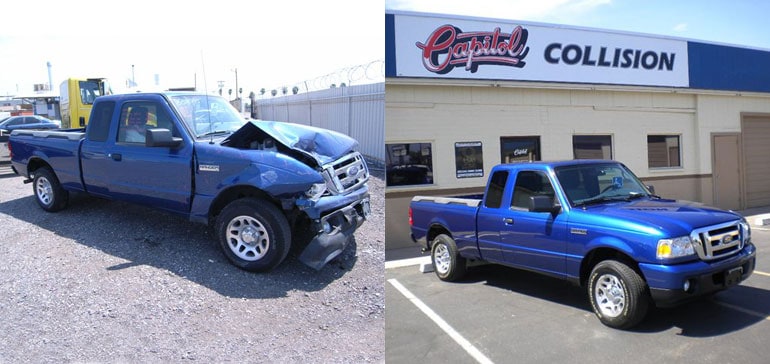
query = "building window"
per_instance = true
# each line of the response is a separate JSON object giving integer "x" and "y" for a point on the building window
{"x": 519, "y": 149}
{"x": 663, "y": 151}
{"x": 592, "y": 146}
{"x": 409, "y": 164}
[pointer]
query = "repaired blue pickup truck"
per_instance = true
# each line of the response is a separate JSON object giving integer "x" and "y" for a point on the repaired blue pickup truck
{"x": 595, "y": 224}
{"x": 259, "y": 183}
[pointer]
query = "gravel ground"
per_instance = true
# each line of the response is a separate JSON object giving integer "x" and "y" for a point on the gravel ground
{"x": 110, "y": 282}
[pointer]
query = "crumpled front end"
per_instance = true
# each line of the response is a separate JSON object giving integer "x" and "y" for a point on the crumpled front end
{"x": 337, "y": 204}
{"x": 337, "y": 209}
{"x": 335, "y": 232}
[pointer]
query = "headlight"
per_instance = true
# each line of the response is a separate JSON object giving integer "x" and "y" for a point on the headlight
{"x": 675, "y": 248}
{"x": 745, "y": 231}
{"x": 316, "y": 191}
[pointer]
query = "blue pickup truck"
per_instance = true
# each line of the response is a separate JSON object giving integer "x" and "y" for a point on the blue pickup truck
{"x": 260, "y": 184}
{"x": 591, "y": 222}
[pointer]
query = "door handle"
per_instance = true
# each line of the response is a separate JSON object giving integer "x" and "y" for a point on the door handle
{"x": 508, "y": 221}
{"x": 116, "y": 156}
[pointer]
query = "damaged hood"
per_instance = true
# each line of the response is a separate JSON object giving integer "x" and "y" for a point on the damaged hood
{"x": 323, "y": 145}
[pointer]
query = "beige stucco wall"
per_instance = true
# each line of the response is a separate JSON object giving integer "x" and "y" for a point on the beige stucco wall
{"x": 443, "y": 113}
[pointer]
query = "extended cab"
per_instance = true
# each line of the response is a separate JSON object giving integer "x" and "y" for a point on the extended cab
{"x": 259, "y": 183}
{"x": 595, "y": 224}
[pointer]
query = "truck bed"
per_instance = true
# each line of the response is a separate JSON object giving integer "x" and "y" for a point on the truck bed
{"x": 456, "y": 214}
{"x": 59, "y": 148}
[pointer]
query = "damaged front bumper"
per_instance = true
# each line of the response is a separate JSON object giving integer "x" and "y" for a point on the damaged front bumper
{"x": 335, "y": 232}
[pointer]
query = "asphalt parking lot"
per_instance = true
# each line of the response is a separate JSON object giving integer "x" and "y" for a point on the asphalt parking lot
{"x": 109, "y": 282}
{"x": 502, "y": 315}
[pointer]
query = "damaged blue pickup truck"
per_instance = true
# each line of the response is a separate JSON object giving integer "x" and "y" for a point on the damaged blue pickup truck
{"x": 260, "y": 184}
{"x": 593, "y": 223}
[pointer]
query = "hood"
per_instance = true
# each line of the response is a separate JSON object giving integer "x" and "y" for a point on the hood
{"x": 322, "y": 145}
{"x": 669, "y": 215}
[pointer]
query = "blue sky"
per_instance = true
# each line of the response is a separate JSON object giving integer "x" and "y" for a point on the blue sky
{"x": 736, "y": 22}
{"x": 271, "y": 44}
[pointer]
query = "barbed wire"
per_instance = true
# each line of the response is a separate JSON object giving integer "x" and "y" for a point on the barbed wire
{"x": 373, "y": 71}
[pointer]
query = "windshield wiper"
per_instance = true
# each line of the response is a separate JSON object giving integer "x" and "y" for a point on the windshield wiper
{"x": 214, "y": 132}
{"x": 594, "y": 201}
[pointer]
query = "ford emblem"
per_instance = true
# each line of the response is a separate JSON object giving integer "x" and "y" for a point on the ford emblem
{"x": 353, "y": 171}
{"x": 726, "y": 239}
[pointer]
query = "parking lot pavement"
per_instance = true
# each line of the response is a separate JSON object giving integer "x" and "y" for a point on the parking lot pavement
{"x": 109, "y": 282}
{"x": 510, "y": 315}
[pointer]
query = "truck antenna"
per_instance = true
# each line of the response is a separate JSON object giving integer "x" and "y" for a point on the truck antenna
{"x": 208, "y": 105}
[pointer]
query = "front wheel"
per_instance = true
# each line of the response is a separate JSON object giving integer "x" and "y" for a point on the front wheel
{"x": 618, "y": 294}
{"x": 253, "y": 234}
{"x": 49, "y": 193}
{"x": 447, "y": 263}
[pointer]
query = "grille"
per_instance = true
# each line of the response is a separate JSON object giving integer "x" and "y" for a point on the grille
{"x": 718, "y": 241}
{"x": 346, "y": 174}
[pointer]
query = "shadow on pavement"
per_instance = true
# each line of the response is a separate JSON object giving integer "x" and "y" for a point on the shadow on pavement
{"x": 144, "y": 236}
{"x": 708, "y": 317}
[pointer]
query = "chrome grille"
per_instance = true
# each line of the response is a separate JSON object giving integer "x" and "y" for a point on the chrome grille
{"x": 346, "y": 174}
{"x": 718, "y": 241}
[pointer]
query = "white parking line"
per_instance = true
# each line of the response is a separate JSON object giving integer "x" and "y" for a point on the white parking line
{"x": 746, "y": 311}
{"x": 762, "y": 273}
{"x": 406, "y": 262}
{"x": 465, "y": 344}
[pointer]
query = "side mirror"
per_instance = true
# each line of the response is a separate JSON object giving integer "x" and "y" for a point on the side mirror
{"x": 543, "y": 204}
{"x": 159, "y": 137}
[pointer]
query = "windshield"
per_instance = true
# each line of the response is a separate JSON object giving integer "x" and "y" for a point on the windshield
{"x": 595, "y": 183}
{"x": 207, "y": 115}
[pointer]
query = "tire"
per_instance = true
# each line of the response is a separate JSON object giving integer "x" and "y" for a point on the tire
{"x": 447, "y": 263}
{"x": 48, "y": 192}
{"x": 618, "y": 294}
{"x": 254, "y": 234}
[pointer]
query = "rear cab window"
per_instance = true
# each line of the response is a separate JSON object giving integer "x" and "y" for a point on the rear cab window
{"x": 494, "y": 197}
{"x": 99, "y": 125}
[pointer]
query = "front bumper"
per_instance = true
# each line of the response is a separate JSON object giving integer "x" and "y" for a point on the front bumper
{"x": 667, "y": 282}
{"x": 339, "y": 225}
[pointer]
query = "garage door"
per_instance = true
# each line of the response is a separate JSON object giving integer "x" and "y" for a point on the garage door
{"x": 756, "y": 153}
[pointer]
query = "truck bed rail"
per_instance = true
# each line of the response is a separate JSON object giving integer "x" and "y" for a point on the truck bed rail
{"x": 448, "y": 200}
{"x": 70, "y": 134}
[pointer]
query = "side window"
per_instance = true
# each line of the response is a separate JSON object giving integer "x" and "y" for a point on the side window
{"x": 494, "y": 197}
{"x": 528, "y": 184}
{"x": 99, "y": 125}
{"x": 137, "y": 117}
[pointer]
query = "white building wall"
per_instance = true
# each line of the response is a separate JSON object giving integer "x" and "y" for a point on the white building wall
{"x": 444, "y": 115}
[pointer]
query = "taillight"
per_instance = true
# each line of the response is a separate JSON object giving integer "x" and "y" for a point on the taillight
{"x": 411, "y": 220}
{"x": 10, "y": 152}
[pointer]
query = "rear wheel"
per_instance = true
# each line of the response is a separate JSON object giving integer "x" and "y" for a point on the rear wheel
{"x": 447, "y": 263}
{"x": 49, "y": 193}
{"x": 253, "y": 234}
{"x": 618, "y": 294}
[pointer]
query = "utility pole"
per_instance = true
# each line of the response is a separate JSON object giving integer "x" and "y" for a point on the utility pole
{"x": 236, "y": 83}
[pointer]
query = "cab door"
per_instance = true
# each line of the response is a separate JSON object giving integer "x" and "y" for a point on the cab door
{"x": 488, "y": 220}
{"x": 534, "y": 240}
{"x": 157, "y": 176}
